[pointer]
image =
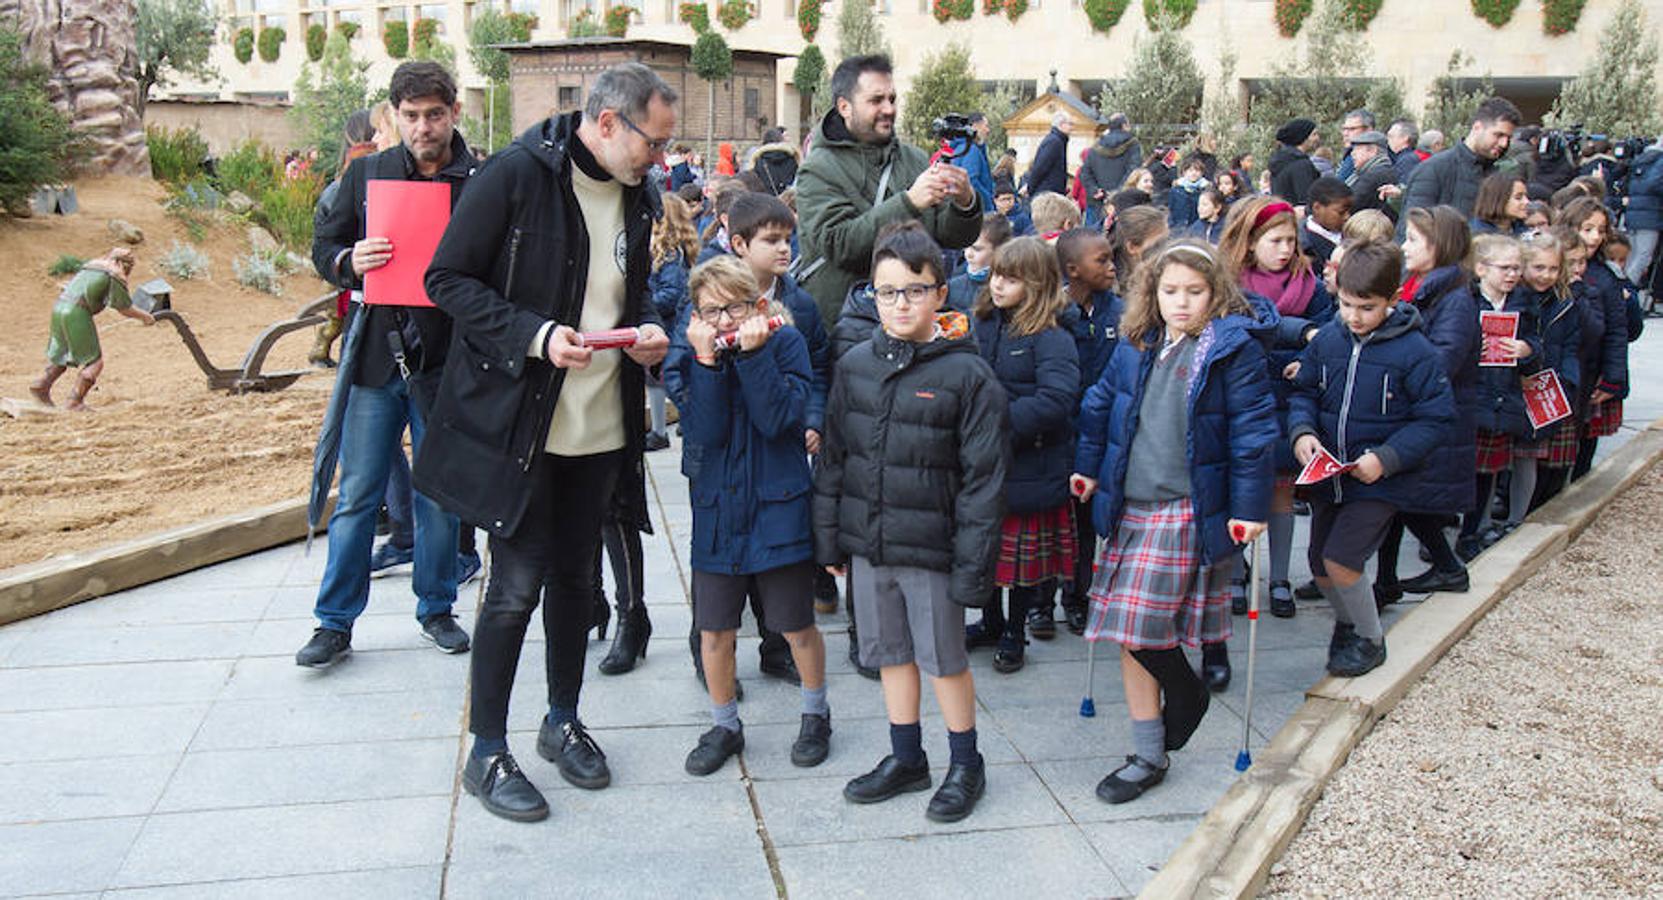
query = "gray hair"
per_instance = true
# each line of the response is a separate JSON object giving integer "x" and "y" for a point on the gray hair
{"x": 1058, "y": 117}
{"x": 626, "y": 88}
{"x": 1429, "y": 139}
{"x": 1363, "y": 115}
{"x": 1405, "y": 128}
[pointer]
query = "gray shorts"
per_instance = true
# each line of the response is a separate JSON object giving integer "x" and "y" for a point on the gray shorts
{"x": 904, "y": 615}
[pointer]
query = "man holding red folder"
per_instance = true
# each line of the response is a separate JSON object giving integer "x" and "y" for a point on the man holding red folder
{"x": 535, "y": 435}
{"x": 390, "y": 364}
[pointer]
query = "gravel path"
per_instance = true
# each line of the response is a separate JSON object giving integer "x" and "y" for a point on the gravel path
{"x": 1529, "y": 762}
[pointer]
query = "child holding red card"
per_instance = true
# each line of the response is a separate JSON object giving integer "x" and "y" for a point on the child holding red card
{"x": 1177, "y": 455}
{"x": 1564, "y": 318}
{"x": 1372, "y": 390}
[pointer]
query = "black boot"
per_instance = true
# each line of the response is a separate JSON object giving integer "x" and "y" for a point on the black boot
{"x": 630, "y": 644}
{"x": 1215, "y": 666}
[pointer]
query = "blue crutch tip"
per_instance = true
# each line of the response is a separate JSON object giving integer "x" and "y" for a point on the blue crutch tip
{"x": 1087, "y": 708}
{"x": 1243, "y": 761}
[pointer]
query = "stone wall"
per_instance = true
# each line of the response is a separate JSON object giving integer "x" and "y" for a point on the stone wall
{"x": 225, "y": 124}
{"x": 89, "y": 46}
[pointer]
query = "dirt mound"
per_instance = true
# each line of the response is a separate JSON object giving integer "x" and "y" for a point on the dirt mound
{"x": 159, "y": 448}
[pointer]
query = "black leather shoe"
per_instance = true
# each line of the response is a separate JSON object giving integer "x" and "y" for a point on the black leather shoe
{"x": 713, "y": 750}
{"x": 1358, "y": 657}
{"x": 503, "y": 789}
{"x": 1239, "y": 597}
{"x": 1308, "y": 591}
{"x": 813, "y": 741}
{"x": 1281, "y": 600}
{"x": 1117, "y": 789}
{"x": 1011, "y": 655}
{"x": 1041, "y": 624}
{"x": 1467, "y": 547}
{"x": 630, "y": 644}
{"x": 979, "y": 634}
{"x": 1432, "y": 581}
{"x": 784, "y": 668}
{"x": 889, "y": 779}
{"x": 1387, "y": 593}
{"x": 573, "y": 751}
{"x": 326, "y": 648}
{"x": 1344, "y": 633}
{"x": 1074, "y": 616}
{"x": 959, "y": 791}
{"x": 655, "y": 440}
{"x": 445, "y": 634}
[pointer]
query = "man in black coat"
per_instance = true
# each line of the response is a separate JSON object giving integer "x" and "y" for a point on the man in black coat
{"x": 1452, "y": 177}
{"x": 1111, "y": 161}
{"x": 1049, "y": 170}
{"x": 533, "y": 432}
{"x": 390, "y": 365}
{"x": 1372, "y": 171}
{"x": 1291, "y": 169}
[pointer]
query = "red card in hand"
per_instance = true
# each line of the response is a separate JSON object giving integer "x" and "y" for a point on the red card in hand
{"x": 1544, "y": 398}
{"x": 412, "y": 215}
{"x": 610, "y": 340}
{"x": 1322, "y": 467}
{"x": 730, "y": 341}
{"x": 1494, "y": 326}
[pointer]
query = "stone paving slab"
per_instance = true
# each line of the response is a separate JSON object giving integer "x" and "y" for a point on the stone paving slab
{"x": 160, "y": 743}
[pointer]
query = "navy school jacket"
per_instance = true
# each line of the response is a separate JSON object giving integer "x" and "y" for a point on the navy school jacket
{"x": 1287, "y": 341}
{"x": 1500, "y": 402}
{"x": 1041, "y": 377}
{"x": 1605, "y": 326}
{"x": 1449, "y": 317}
{"x": 751, "y": 491}
{"x": 1561, "y": 330}
{"x": 1384, "y": 392}
{"x": 1232, "y": 431}
{"x": 1095, "y": 333}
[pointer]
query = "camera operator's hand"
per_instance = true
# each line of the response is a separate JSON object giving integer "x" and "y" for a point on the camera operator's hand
{"x": 956, "y": 184}
{"x": 926, "y": 190}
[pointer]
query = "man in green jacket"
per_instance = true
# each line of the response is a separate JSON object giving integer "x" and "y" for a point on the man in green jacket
{"x": 859, "y": 177}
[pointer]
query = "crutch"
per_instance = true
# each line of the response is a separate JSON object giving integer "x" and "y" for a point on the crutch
{"x": 1244, "y": 758}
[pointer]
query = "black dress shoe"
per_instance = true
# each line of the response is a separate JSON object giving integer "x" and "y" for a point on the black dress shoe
{"x": 1238, "y": 597}
{"x": 1041, "y": 624}
{"x": 981, "y": 634}
{"x": 1074, "y": 616}
{"x": 1432, "y": 581}
{"x": 1011, "y": 655}
{"x": 890, "y": 779}
{"x": 1387, "y": 593}
{"x": 1115, "y": 788}
{"x": 1281, "y": 600}
{"x": 959, "y": 791}
{"x": 1309, "y": 591}
{"x": 813, "y": 743}
{"x": 713, "y": 750}
{"x": 1358, "y": 657}
{"x": 574, "y": 753}
{"x": 1468, "y": 546}
{"x": 503, "y": 789}
{"x": 783, "y": 668}
{"x": 1344, "y": 633}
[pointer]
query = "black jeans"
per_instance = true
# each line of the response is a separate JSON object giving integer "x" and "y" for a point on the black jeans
{"x": 551, "y": 557}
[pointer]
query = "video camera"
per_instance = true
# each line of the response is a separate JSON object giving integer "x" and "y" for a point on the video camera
{"x": 1559, "y": 143}
{"x": 1629, "y": 148}
{"x": 950, "y": 129}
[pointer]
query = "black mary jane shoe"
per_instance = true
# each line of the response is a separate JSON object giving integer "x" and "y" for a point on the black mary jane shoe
{"x": 1115, "y": 789}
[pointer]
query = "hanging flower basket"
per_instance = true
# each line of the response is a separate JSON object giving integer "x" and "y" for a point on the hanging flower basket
{"x": 1291, "y": 15}
{"x": 947, "y": 10}
{"x": 618, "y": 19}
{"x": 696, "y": 15}
{"x": 1105, "y": 14}
{"x": 808, "y": 18}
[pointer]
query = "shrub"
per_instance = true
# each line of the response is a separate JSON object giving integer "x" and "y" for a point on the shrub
{"x": 67, "y": 264}
{"x": 271, "y": 43}
{"x": 423, "y": 36}
{"x": 251, "y": 168}
{"x": 259, "y": 272}
{"x": 286, "y": 209}
{"x": 175, "y": 154}
{"x": 316, "y": 35}
{"x": 734, "y": 14}
{"x": 1290, "y": 16}
{"x": 1015, "y": 8}
{"x": 808, "y": 18}
{"x": 1357, "y": 14}
{"x": 349, "y": 30}
{"x": 696, "y": 15}
{"x": 243, "y": 45}
{"x": 1105, "y": 14}
{"x": 1496, "y": 12}
{"x": 1181, "y": 11}
{"x": 184, "y": 261}
{"x": 617, "y": 20}
{"x": 195, "y": 194}
{"x": 1560, "y": 16}
{"x": 396, "y": 38}
{"x": 947, "y": 10}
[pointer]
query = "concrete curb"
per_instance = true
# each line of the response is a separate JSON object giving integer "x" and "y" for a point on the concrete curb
{"x": 36, "y": 588}
{"x": 1230, "y": 853}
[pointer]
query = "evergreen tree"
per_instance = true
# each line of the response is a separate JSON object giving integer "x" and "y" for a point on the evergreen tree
{"x": 1616, "y": 94}
{"x": 491, "y": 27}
{"x": 945, "y": 83}
{"x": 174, "y": 38}
{"x": 325, "y": 94}
{"x": 1162, "y": 94}
{"x": 858, "y": 31}
{"x": 36, "y": 141}
{"x": 1449, "y": 109}
{"x": 713, "y": 62}
{"x": 810, "y": 72}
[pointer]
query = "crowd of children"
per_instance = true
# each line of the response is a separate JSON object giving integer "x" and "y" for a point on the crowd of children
{"x": 1106, "y": 417}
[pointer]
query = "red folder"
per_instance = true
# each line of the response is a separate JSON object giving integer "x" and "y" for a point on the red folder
{"x": 1495, "y": 325}
{"x": 413, "y": 215}
{"x": 1544, "y": 398}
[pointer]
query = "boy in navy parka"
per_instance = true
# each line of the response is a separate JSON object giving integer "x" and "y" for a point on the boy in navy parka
{"x": 1371, "y": 390}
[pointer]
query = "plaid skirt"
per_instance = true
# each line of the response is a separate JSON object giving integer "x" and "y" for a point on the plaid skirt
{"x": 1150, "y": 590}
{"x": 1035, "y": 548}
{"x": 1558, "y": 448}
{"x": 1604, "y": 419}
{"x": 1495, "y": 452}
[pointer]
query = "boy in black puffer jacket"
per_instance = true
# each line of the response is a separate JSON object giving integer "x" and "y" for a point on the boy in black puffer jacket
{"x": 910, "y": 496}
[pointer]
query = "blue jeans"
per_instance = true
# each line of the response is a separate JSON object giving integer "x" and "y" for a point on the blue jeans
{"x": 371, "y": 431}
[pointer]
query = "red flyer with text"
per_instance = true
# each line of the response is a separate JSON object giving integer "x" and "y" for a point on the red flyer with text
{"x": 1495, "y": 325}
{"x": 1322, "y": 467}
{"x": 1544, "y": 399}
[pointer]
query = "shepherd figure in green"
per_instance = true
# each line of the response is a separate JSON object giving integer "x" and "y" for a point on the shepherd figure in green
{"x": 73, "y": 341}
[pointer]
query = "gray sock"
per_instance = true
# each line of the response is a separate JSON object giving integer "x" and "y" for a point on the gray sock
{"x": 1149, "y": 743}
{"x": 1281, "y": 545}
{"x": 655, "y": 403}
{"x": 726, "y": 715}
{"x": 1358, "y": 601}
{"x": 1331, "y": 593}
{"x": 1523, "y": 488}
{"x": 814, "y": 701}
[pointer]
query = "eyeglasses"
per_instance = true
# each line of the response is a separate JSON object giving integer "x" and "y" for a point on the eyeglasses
{"x": 735, "y": 312}
{"x": 914, "y": 293}
{"x": 654, "y": 146}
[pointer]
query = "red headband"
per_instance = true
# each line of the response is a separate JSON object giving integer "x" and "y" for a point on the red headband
{"x": 1270, "y": 211}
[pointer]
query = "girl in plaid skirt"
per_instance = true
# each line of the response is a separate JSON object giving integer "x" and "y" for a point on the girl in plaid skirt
{"x": 1498, "y": 262}
{"x": 1604, "y": 350}
{"x": 1039, "y": 366}
{"x": 1177, "y": 456}
{"x": 1562, "y": 440}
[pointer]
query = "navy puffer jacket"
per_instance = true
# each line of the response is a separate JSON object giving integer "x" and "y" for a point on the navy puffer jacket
{"x": 668, "y": 284}
{"x": 1041, "y": 376}
{"x": 1286, "y": 342}
{"x": 1500, "y": 406}
{"x": 1561, "y": 327}
{"x": 1231, "y": 429}
{"x": 1095, "y": 334}
{"x": 1384, "y": 392}
{"x": 1604, "y": 331}
{"x": 1449, "y": 316}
